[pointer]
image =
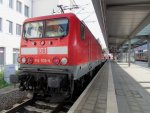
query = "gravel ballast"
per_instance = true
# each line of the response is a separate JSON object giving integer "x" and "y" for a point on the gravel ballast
{"x": 10, "y": 96}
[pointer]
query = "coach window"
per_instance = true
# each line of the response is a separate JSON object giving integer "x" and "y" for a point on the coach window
{"x": 82, "y": 30}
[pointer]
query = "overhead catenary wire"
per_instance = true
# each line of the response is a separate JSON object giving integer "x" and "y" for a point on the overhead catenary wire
{"x": 87, "y": 16}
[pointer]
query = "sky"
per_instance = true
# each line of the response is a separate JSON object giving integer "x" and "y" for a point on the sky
{"x": 86, "y": 13}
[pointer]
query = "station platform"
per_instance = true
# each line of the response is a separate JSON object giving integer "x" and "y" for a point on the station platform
{"x": 142, "y": 64}
{"x": 116, "y": 88}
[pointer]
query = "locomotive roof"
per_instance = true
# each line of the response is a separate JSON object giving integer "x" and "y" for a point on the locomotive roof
{"x": 68, "y": 15}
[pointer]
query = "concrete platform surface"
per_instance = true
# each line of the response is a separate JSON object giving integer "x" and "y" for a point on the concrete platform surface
{"x": 132, "y": 86}
{"x": 116, "y": 88}
{"x": 142, "y": 64}
{"x": 95, "y": 98}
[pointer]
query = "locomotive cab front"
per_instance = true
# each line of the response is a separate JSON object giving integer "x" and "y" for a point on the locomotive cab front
{"x": 44, "y": 57}
{"x": 45, "y": 42}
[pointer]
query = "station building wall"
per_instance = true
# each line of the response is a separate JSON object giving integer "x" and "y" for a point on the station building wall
{"x": 12, "y": 15}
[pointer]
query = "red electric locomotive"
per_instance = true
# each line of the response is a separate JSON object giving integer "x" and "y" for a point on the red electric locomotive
{"x": 56, "y": 51}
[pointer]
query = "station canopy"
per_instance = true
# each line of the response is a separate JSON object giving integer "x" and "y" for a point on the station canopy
{"x": 121, "y": 20}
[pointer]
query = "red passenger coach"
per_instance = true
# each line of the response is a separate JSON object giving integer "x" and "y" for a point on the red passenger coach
{"x": 55, "y": 52}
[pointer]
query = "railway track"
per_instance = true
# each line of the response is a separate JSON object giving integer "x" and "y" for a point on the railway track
{"x": 41, "y": 106}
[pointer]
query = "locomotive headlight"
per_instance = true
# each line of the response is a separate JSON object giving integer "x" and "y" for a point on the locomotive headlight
{"x": 23, "y": 60}
{"x": 64, "y": 61}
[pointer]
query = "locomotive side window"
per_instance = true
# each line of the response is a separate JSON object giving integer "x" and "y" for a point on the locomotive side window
{"x": 33, "y": 30}
{"x": 56, "y": 28}
{"x": 82, "y": 30}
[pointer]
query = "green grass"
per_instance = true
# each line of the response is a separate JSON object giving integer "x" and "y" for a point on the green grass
{"x": 3, "y": 83}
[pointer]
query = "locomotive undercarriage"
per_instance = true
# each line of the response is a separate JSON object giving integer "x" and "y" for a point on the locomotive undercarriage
{"x": 46, "y": 83}
{"x": 51, "y": 81}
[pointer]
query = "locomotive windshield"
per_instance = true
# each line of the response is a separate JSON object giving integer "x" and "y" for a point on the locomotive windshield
{"x": 56, "y": 28}
{"x": 53, "y": 28}
{"x": 33, "y": 30}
